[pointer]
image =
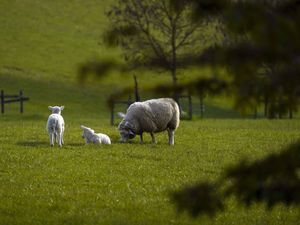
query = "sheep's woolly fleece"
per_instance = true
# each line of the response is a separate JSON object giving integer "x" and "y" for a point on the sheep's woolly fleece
{"x": 151, "y": 116}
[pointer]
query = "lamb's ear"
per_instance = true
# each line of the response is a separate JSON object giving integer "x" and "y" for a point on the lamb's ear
{"x": 82, "y": 127}
{"x": 62, "y": 108}
{"x": 50, "y": 108}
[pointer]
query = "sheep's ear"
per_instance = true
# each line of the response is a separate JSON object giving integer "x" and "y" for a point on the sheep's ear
{"x": 62, "y": 108}
{"x": 128, "y": 125}
{"x": 121, "y": 115}
{"x": 50, "y": 108}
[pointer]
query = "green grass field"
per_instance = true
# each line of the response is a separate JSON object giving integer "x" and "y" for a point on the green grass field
{"x": 128, "y": 183}
{"x": 41, "y": 47}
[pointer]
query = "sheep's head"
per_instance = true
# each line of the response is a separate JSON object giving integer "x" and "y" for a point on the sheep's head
{"x": 87, "y": 132}
{"x": 126, "y": 131}
{"x": 56, "y": 109}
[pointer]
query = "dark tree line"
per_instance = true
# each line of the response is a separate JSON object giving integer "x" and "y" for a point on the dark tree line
{"x": 260, "y": 51}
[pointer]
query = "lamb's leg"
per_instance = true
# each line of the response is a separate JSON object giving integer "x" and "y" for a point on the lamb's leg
{"x": 55, "y": 137}
{"x": 62, "y": 138}
{"x": 59, "y": 139}
{"x": 62, "y": 135}
{"x": 141, "y": 138}
{"x": 153, "y": 138}
{"x": 171, "y": 136}
{"x": 51, "y": 136}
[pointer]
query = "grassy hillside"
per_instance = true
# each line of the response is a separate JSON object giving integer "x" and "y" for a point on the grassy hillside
{"x": 50, "y": 38}
{"x": 48, "y": 41}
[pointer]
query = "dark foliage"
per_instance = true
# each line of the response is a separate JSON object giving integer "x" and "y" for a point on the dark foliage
{"x": 207, "y": 86}
{"x": 260, "y": 51}
{"x": 262, "y": 55}
{"x": 198, "y": 199}
{"x": 272, "y": 180}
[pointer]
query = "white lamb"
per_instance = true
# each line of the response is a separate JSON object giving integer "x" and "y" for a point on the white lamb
{"x": 56, "y": 125}
{"x": 151, "y": 116}
{"x": 91, "y": 137}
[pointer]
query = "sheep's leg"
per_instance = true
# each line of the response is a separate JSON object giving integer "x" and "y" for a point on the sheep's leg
{"x": 51, "y": 136}
{"x": 141, "y": 138}
{"x": 153, "y": 138}
{"x": 62, "y": 137}
{"x": 171, "y": 136}
{"x": 55, "y": 137}
{"x": 59, "y": 139}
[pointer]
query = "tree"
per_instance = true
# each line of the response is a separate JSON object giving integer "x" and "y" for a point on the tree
{"x": 153, "y": 34}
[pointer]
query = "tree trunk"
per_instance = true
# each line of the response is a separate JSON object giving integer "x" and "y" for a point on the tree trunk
{"x": 174, "y": 61}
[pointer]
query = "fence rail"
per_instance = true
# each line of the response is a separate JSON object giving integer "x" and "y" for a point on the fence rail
{"x": 6, "y": 99}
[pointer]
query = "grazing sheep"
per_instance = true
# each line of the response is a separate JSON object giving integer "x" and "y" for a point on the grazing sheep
{"x": 56, "y": 125}
{"x": 150, "y": 116}
{"x": 91, "y": 137}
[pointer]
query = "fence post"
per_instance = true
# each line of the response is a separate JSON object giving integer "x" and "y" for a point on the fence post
{"x": 290, "y": 113}
{"x": 190, "y": 107}
{"x": 112, "y": 119}
{"x": 129, "y": 101}
{"x": 266, "y": 103}
{"x": 2, "y": 101}
{"x": 201, "y": 105}
{"x": 21, "y": 101}
{"x": 136, "y": 90}
{"x": 255, "y": 112}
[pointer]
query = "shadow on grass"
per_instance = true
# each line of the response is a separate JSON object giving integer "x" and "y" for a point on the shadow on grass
{"x": 15, "y": 116}
{"x": 141, "y": 157}
{"x": 46, "y": 144}
{"x": 75, "y": 144}
{"x": 33, "y": 143}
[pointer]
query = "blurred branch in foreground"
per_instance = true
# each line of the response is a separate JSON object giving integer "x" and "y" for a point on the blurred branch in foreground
{"x": 195, "y": 87}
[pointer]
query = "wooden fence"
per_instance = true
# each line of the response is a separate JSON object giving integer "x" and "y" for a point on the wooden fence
{"x": 6, "y": 99}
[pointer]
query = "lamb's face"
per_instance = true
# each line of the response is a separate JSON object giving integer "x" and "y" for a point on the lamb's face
{"x": 56, "y": 109}
{"x": 125, "y": 132}
{"x": 87, "y": 132}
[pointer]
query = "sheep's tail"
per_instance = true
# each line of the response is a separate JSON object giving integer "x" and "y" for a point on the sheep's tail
{"x": 177, "y": 112}
{"x": 51, "y": 126}
{"x": 176, "y": 116}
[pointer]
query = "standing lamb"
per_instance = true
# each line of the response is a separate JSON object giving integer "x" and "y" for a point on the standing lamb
{"x": 56, "y": 125}
{"x": 150, "y": 116}
{"x": 91, "y": 137}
